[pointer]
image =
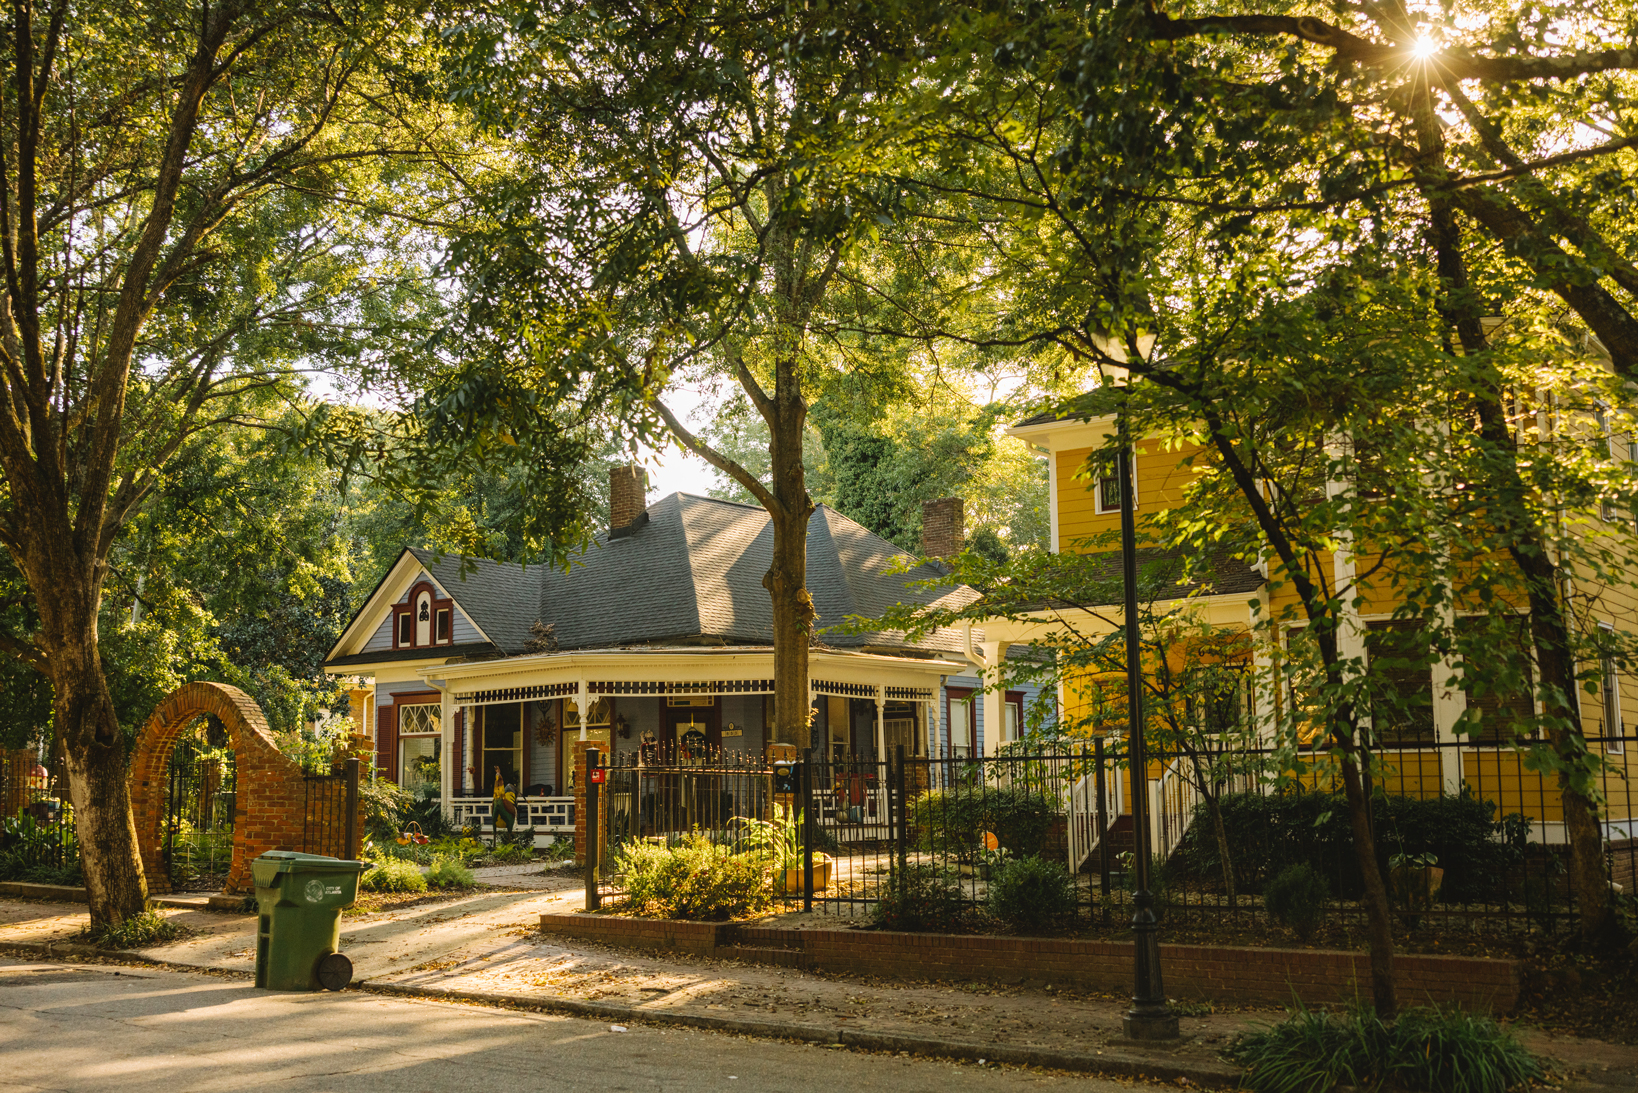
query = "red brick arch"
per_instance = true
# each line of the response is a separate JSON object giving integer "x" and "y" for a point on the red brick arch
{"x": 271, "y": 794}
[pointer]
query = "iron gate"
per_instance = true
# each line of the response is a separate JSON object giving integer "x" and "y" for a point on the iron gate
{"x": 201, "y": 798}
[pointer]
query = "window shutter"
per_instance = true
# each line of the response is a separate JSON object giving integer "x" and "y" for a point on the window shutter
{"x": 386, "y": 741}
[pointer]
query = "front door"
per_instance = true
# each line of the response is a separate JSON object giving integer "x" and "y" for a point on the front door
{"x": 695, "y": 732}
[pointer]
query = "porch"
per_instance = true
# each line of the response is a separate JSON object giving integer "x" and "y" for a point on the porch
{"x": 523, "y": 721}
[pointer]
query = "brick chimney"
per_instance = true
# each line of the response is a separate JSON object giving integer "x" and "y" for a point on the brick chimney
{"x": 943, "y": 527}
{"x": 628, "y": 500}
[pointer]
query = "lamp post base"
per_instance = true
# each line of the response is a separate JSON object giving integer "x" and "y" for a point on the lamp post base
{"x": 1151, "y": 1026}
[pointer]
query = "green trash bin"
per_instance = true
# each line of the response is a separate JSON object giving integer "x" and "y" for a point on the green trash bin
{"x": 298, "y": 928}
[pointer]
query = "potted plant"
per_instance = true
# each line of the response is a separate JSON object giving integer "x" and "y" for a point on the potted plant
{"x": 1416, "y": 879}
{"x": 781, "y": 840}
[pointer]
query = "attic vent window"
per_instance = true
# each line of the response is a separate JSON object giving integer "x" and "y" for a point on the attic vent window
{"x": 422, "y": 619}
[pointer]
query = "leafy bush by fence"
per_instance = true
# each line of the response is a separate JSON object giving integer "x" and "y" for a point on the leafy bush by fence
{"x": 1032, "y": 894}
{"x": 1267, "y": 833}
{"x": 696, "y": 879}
{"x": 954, "y": 820}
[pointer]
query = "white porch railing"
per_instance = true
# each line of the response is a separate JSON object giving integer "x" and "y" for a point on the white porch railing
{"x": 549, "y": 816}
{"x": 854, "y": 813}
{"x": 1172, "y": 798}
{"x": 1084, "y": 835}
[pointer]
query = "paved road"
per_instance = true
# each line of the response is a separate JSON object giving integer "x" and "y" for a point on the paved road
{"x": 97, "y": 1028}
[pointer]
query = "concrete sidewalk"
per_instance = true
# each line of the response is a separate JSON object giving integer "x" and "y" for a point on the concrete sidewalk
{"x": 487, "y": 947}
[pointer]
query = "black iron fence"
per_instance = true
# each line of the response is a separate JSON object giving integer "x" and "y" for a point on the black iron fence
{"x": 1469, "y": 835}
{"x": 330, "y": 812}
{"x": 37, "y": 839}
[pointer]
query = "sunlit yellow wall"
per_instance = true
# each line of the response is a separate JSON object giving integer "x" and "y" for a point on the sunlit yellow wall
{"x": 1161, "y": 480}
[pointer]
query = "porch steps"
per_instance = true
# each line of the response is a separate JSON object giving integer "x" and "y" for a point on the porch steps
{"x": 1121, "y": 841}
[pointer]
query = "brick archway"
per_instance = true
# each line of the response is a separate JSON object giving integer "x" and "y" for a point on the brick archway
{"x": 271, "y": 799}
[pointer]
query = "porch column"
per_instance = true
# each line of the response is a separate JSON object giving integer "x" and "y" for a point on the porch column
{"x": 447, "y": 759}
{"x": 583, "y": 704}
{"x": 1449, "y": 704}
{"x": 995, "y": 694}
{"x": 881, "y": 730}
{"x": 1263, "y": 681}
{"x": 929, "y": 728}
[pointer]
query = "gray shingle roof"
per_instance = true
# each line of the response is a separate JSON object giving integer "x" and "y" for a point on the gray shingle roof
{"x": 693, "y": 571}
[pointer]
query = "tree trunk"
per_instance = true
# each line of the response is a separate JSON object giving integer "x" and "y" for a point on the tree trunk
{"x": 94, "y": 755}
{"x": 1550, "y": 636}
{"x": 787, "y": 577}
{"x": 1378, "y": 923}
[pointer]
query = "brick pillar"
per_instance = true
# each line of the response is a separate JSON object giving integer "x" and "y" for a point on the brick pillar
{"x": 943, "y": 527}
{"x": 627, "y": 496}
{"x": 578, "y": 757}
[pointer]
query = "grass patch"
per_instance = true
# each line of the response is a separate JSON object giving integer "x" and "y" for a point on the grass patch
{"x": 136, "y": 932}
{"x": 1429, "y": 1050}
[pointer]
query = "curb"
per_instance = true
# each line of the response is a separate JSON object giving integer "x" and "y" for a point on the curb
{"x": 127, "y": 956}
{"x": 1124, "y": 1064}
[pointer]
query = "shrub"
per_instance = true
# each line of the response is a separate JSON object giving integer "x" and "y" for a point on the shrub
{"x": 136, "y": 932}
{"x": 393, "y": 875}
{"x": 385, "y": 804}
{"x": 560, "y": 851}
{"x": 1032, "y": 894}
{"x": 512, "y": 854}
{"x": 922, "y": 899}
{"x": 1268, "y": 833}
{"x": 955, "y": 819}
{"x": 1441, "y": 1051}
{"x": 1296, "y": 899}
{"x": 696, "y": 879}
{"x": 450, "y": 873}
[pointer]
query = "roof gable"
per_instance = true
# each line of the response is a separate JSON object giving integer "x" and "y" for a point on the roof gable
{"x": 373, "y": 621}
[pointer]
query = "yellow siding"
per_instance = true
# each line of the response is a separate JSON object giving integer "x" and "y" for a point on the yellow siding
{"x": 1161, "y": 481}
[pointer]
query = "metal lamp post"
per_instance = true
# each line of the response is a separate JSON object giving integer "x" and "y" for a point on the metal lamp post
{"x": 1149, "y": 1018}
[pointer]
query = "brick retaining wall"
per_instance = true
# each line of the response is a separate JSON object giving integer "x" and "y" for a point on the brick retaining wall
{"x": 1192, "y": 971}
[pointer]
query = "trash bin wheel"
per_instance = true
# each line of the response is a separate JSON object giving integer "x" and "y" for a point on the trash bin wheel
{"x": 335, "y": 971}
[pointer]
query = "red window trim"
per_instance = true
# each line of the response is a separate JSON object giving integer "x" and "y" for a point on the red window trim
{"x": 399, "y": 611}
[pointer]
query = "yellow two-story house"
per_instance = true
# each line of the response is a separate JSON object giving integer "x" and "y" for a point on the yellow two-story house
{"x": 1427, "y": 755}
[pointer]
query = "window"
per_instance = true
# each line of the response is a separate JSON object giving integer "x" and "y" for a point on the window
{"x": 419, "y": 718}
{"x": 423, "y": 619}
{"x": 502, "y": 745}
{"x": 1504, "y": 695}
{"x": 1402, "y": 680}
{"x": 963, "y": 725}
{"x": 1601, "y": 417}
{"x": 1610, "y": 692}
{"x": 419, "y": 748}
{"x": 1109, "y": 493}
